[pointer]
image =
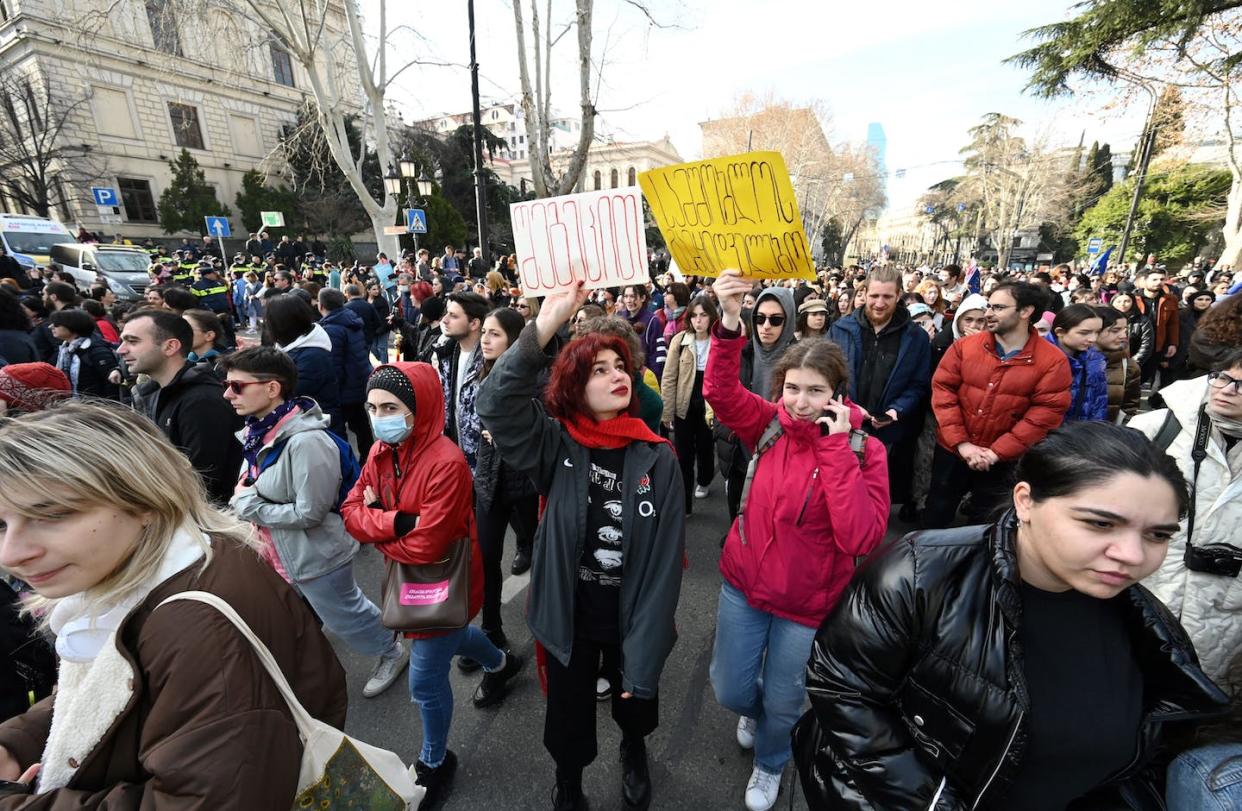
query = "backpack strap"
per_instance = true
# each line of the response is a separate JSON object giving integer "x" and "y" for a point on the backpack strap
{"x": 766, "y": 440}
{"x": 1169, "y": 429}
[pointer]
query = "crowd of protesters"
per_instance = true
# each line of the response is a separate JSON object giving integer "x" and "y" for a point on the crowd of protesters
{"x": 1061, "y": 628}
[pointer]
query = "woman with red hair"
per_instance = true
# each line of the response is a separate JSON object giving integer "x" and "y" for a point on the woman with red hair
{"x": 606, "y": 572}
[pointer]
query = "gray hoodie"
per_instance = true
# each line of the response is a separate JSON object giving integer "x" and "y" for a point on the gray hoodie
{"x": 766, "y": 357}
{"x": 294, "y": 497}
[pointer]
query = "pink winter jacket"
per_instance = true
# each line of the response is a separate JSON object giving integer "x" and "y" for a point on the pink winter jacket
{"x": 811, "y": 508}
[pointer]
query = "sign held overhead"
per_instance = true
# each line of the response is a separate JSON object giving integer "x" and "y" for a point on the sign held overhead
{"x": 596, "y": 237}
{"x": 734, "y": 212}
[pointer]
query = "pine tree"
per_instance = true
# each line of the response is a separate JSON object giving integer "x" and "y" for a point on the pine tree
{"x": 189, "y": 198}
{"x": 256, "y": 197}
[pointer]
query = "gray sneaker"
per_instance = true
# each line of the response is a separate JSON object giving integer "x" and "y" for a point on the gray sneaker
{"x": 387, "y": 670}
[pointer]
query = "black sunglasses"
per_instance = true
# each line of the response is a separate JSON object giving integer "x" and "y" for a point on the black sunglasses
{"x": 775, "y": 320}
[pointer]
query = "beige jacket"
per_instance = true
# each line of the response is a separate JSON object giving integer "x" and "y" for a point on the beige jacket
{"x": 678, "y": 383}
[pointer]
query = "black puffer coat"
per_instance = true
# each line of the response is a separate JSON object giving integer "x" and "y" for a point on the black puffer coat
{"x": 917, "y": 688}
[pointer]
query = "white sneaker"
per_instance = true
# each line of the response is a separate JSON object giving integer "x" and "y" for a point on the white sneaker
{"x": 762, "y": 789}
{"x": 700, "y": 491}
{"x": 387, "y": 670}
{"x": 746, "y": 732}
{"x": 603, "y": 689}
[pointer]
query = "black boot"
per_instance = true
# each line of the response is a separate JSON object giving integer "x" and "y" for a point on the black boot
{"x": 521, "y": 562}
{"x": 467, "y": 665}
{"x": 635, "y": 777}
{"x": 569, "y": 797}
{"x": 437, "y": 781}
{"x": 494, "y": 686}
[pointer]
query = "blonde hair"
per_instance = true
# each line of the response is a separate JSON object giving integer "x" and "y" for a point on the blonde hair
{"x": 928, "y": 284}
{"x": 495, "y": 282}
{"x": 82, "y": 455}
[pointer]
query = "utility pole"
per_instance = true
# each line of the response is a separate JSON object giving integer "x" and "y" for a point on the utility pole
{"x": 480, "y": 184}
{"x": 1145, "y": 146}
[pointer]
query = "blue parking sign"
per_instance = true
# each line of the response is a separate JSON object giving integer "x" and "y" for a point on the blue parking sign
{"x": 105, "y": 196}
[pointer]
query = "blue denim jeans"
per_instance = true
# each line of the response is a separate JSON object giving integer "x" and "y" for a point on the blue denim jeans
{"x": 429, "y": 682}
{"x": 347, "y": 612}
{"x": 379, "y": 347}
{"x": 759, "y": 670}
{"x": 1208, "y": 778}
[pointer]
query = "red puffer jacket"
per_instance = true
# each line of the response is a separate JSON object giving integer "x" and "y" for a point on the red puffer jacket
{"x": 425, "y": 475}
{"x": 1005, "y": 405}
{"x": 811, "y": 508}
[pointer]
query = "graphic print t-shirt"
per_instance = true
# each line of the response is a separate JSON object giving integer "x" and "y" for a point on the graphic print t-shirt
{"x": 598, "y": 614}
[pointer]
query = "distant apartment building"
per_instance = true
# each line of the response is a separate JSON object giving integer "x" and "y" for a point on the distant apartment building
{"x": 153, "y": 84}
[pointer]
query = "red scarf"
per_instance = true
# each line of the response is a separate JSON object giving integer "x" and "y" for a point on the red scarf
{"x": 614, "y": 433}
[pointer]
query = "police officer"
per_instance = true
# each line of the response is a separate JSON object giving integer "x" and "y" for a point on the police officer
{"x": 210, "y": 290}
{"x": 239, "y": 265}
{"x": 183, "y": 274}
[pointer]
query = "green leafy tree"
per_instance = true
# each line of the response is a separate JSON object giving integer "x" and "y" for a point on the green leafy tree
{"x": 188, "y": 198}
{"x": 1095, "y": 43}
{"x": 1176, "y": 216}
{"x": 256, "y": 197}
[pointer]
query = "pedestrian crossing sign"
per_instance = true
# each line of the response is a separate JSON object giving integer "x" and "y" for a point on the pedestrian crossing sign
{"x": 416, "y": 221}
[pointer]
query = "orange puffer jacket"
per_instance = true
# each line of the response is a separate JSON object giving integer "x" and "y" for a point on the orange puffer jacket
{"x": 1005, "y": 405}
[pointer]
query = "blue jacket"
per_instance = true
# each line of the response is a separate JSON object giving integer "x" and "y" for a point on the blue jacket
{"x": 1088, "y": 384}
{"x": 349, "y": 354}
{"x": 908, "y": 386}
{"x": 312, "y": 354}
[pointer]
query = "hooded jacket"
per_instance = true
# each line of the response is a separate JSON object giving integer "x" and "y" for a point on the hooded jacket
{"x": 317, "y": 376}
{"x": 811, "y": 510}
{"x": 204, "y": 726}
{"x": 652, "y": 520}
{"x": 424, "y": 475}
{"x": 906, "y": 382}
{"x": 1004, "y": 405}
{"x": 193, "y": 414}
{"x": 945, "y": 338}
{"x": 918, "y": 695}
{"x": 1088, "y": 384}
{"x": 1208, "y": 605}
{"x": 295, "y": 495}
{"x": 350, "y": 354}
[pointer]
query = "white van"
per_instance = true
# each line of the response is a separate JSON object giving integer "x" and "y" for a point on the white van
{"x": 29, "y": 240}
{"x": 125, "y": 267}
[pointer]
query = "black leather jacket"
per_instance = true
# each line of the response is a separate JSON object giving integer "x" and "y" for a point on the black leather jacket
{"x": 917, "y": 689}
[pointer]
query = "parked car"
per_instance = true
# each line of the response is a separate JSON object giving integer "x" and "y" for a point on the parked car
{"x": 124, "y": 267}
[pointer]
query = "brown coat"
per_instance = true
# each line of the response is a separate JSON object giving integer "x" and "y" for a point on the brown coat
{"x": 205, "y": 727}
{"x": 1167, "y": 320}
{"x": 1124, "y": 380}
{"x": 677, "y": 385}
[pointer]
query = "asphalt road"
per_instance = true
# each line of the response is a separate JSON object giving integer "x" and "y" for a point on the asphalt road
{"x": 695, "y": 760}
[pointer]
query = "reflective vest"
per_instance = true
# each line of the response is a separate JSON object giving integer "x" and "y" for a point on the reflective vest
{"x": 184, "y": 272}
{"x": 213, "y": 295}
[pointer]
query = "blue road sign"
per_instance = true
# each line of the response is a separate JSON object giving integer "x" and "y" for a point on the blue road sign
{"x": 218, "y": 227}
{"x": 416, "y": 221}
{"x": 105, "y": 196}
{"x": 1093, "y": 245}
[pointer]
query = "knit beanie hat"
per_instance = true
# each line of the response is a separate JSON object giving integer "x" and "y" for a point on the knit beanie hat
{"x": 392, "y": 380}
{"x": 32, "y": 386}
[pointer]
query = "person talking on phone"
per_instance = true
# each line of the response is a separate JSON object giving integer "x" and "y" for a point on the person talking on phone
{"x": 815, "y": 498}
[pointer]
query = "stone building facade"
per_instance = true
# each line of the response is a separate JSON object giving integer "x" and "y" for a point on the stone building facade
{"x": 146, "y": 84}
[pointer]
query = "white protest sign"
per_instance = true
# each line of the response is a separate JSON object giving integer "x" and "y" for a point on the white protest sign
{"x": 596, "y": 237}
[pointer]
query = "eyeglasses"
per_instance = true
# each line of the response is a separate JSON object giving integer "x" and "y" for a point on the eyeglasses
{"x": 998, "y": 308}
{"x": 1220, "y": 380}
{"x": 236, "y": 386}
{"x": 760, "y": 319}
{"x": 521, "y": 306}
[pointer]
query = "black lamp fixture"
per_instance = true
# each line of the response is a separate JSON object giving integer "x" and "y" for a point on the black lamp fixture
{"x": 392, "y": 182}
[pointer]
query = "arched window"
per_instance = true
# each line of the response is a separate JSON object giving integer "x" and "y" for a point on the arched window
{"x": 614, "y": 178}
{"x": 632, "y": 177}
{"x": 598, "y": 180}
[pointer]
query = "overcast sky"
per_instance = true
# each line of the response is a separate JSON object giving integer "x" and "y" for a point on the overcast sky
{"x": 926, "y": 71}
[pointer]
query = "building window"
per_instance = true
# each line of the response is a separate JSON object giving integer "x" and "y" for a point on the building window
{"x": 614, "y": 178}
{"x": 163, "y": 27}
{"x": 632, "y": 177}
{"x": 137, "y": 198}
{"x": 282, "y": 65}
{"x": 186, "y": 131}
{"x": 597, "y": 180}
{"x": 4, "y": 10}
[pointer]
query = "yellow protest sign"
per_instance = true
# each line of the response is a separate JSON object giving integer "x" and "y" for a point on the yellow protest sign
{"x": 734, "y": 212}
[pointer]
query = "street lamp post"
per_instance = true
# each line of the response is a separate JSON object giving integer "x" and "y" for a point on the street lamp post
{"x": 480, "y": 185}
{"x": 398, "y": 184}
